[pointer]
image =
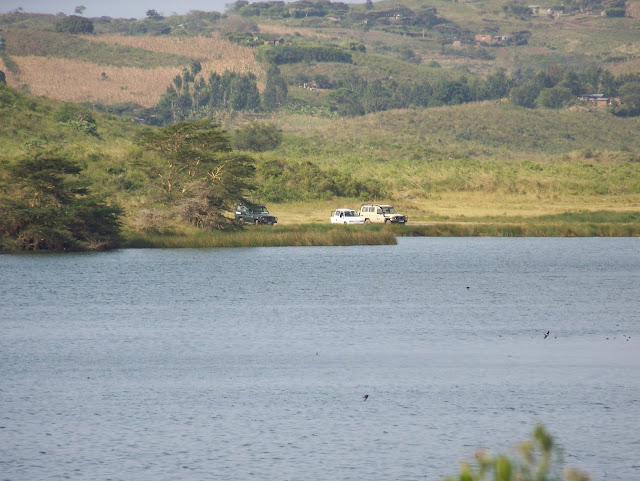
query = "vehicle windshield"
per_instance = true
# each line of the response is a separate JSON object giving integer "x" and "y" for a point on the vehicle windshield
{"x": 389, "y": 210}
{"x": 346, "y": 213}
{"x": 261, "y": 210}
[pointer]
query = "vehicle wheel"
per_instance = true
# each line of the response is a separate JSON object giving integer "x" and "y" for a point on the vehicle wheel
{"x": 345, "y": 222}
{"x": 386, "y": 221}
{"x": 257, "y": 222}
{"x": 367, "y": 221}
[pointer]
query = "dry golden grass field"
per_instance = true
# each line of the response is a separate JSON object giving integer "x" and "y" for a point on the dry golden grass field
{"x": 77, "y": 81}
{"x": 461, "y": 207}
{"x": 284, "y": 30}
{"x": 80, "y": 81}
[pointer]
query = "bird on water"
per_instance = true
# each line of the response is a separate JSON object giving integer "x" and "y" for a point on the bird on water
{"x": 546, "y": 335}
{"x": 365, "y": 397}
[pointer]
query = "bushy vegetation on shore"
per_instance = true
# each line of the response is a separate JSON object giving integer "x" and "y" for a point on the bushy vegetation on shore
{"x": 468, "y": 120}
{"x": 148, "y": 187}
{"x": 269, "y": 236}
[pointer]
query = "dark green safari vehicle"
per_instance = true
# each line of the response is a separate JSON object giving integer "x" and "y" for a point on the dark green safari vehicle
{"x": 251, "y": 213}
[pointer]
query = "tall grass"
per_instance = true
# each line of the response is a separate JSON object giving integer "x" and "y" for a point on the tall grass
{"x": 485, "y": 130}
{"x": 308, "y": 235}
{"x": 502, "y": 229}
{"x": 51, "y": 77}
{"x": 268, "y": 236}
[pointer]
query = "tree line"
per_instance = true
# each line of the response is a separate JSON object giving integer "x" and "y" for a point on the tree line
{"x": 280, "y": 9}
{"x": 425, "y": 17}
{"x": 555, "y": 87}
{"x": 302, "y": 53}
{"x": 558, "y": 86}
{"x": 190, "y": 97}
{"x": 611, "y": 8}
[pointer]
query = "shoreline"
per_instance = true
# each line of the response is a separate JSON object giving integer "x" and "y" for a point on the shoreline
{"x": 336, "y": 235}
{"x": 300, "y": 235}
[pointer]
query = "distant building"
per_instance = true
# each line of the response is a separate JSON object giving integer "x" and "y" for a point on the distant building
{"x": 310, "y": 85}
{"x": 486, "y": 39}
{"x": 492, "y": 39}
{"x": 595, "y": 99}
{"x": 538, "y": 11}
{"x": 274, "y": 41}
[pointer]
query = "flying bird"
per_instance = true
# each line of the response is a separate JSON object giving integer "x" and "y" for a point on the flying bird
{"x": 546, "y": 335}
{"x": 365, "y": 397}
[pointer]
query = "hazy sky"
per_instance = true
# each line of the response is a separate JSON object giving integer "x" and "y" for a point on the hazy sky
{"x": 119, "y": 8}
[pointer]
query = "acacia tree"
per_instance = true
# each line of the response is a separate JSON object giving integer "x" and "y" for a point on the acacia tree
{"x": 201, "y": 172}
{"x": 46, "y": 206}
{"x": 153, "y": 14}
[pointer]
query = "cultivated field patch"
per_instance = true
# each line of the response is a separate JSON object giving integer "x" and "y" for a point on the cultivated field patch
{"x": 214, "y": 53}
{"x": 77, "y": 81}
{"x": 81, "y": 81}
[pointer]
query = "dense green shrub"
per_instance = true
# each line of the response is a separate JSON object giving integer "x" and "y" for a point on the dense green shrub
{"x": 74, "y": 24}
{"x": 450, "y": 93}
{"x": 538, "y": 459}
{"x": 279, "y": 55}
{"x": 615, "y": 12}
{"x": 555, "y": 97}
{"x": 516, "y": 10}
{"x": 630, "y": 98}
{"x": 78, "y": 118}
{"x": 246, "y": 39}
{"x": 280, "y": 181}
{"x": 524, "y": 96}
{"x": 346, "y": 102}
{"x": 257, "y": 137}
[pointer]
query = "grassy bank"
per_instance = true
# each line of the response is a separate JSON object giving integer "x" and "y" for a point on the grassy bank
{"x": 268, "y": 236}
{"x": 555, "y": 229}
{"x": 595, "y": 224}
{"x": 479, "y": 207}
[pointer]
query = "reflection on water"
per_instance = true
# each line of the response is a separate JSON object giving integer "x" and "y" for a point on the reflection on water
{"x": 252, "y": 363}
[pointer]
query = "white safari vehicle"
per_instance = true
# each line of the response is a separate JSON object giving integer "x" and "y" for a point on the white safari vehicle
{"x": 346, "y": 216}
{"x": 381, "y": 213}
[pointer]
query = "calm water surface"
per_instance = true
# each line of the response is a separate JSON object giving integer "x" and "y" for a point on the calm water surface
{"x": 237, "y": 364}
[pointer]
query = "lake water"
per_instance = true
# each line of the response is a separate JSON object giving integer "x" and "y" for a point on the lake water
{"x": 237, "y": 364}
